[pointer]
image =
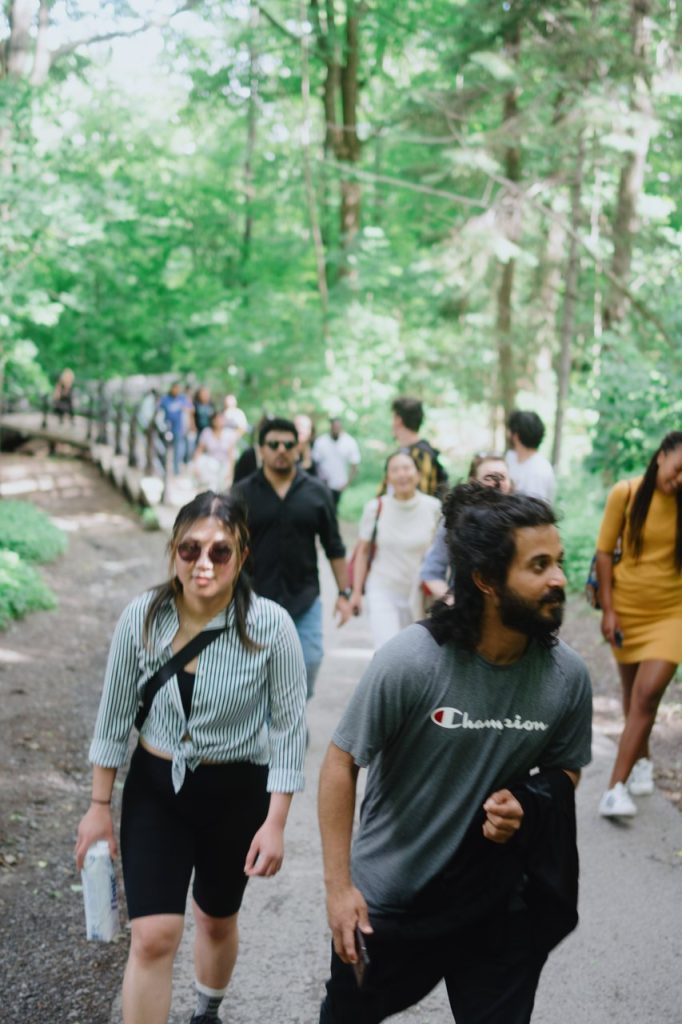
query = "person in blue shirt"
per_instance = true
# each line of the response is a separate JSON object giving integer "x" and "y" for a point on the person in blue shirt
{"x": 488, "y": 469}
{"x": 177, "y": 409}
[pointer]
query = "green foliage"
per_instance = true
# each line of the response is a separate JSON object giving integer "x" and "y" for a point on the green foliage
{"x": 22, "y": 589}
{"x": 179, "y": 236}
{"x": 28, "y": 532}
{"x": 150, "y": 519}
{"x": 580, "y": 504}
{"x": 638, "y": 401}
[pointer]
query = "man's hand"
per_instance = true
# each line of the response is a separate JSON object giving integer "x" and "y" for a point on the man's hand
{"x": 346, "y": 908}
{"x": 344, "y": 609}
{"x": 504, "y": 815}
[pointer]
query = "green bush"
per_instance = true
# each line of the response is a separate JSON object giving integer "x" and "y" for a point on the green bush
{"x": 580, "y": 504}
{"x": 28, "y": 531}
{"x": 22, "y": 589}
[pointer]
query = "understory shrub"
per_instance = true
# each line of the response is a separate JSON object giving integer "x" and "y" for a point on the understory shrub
{"x": 26, "y": 535}
{"x": 22, "y": 589}
{"x": 27, "y": 530}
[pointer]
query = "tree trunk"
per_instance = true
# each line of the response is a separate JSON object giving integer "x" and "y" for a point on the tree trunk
{"x": 626, "y": 222}
{"x": 316, "y": 232}
{"x": 340, "y": 101}
{"x": 349, "y": 151}
{"x": 19, "y": 46}
{"x": 570, "y": 304}
{"x": 251, "y": 122}
{"x": 510, "y": 217}
{"x": 42, "y": 57}
{"x": 505, "y": 355}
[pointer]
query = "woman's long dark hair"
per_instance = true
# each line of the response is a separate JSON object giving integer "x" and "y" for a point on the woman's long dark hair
{"x": 645, "y": 492}
{"x": 231, "y": 512}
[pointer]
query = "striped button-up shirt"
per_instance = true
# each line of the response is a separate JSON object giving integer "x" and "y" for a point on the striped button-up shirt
{"x": 247, "y": 705}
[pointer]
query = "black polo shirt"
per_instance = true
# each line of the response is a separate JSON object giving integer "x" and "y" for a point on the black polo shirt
{"x": 283, "y": 562}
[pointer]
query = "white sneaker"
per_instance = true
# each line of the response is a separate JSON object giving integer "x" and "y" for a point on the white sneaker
{"x": 617, "y": 803}
{"x": 641, "y": 779}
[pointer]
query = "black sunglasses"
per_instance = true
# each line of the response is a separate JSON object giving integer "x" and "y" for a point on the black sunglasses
{"x": 190, "y": 550}
{"x": 274, "y": 445}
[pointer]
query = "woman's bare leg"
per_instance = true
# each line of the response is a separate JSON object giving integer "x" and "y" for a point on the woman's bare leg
{"x": 216, "y": 946}
{"x": 651, "y": 680}
{"x": 148, "y": 975}
{"x": 627, "y": 675}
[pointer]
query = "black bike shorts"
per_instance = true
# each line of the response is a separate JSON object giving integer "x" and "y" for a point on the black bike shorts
{"x": 207, "y": 828}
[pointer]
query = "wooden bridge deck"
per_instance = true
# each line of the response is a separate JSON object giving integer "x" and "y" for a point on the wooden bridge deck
{"x": 30, "y": 424}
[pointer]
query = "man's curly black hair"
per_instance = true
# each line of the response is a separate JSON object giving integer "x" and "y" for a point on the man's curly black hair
{"x": 480, "y": 523}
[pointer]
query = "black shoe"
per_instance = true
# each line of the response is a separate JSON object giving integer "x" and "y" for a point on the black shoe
{"x": 205, "y": 1018}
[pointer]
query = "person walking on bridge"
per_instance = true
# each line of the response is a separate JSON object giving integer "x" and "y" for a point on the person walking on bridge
{"x": 219, "y": 756}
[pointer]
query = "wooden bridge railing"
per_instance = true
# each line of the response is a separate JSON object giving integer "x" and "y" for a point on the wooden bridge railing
{"x": 131, "y": 425}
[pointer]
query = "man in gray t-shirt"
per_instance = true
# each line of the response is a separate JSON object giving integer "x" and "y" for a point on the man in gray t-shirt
{"x": 450, "y": 719}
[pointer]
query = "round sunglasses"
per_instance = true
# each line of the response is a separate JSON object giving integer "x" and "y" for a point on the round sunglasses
{"x": 219, "y": 553}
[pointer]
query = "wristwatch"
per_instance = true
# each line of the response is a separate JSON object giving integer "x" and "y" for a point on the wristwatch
{"x": 347, "y": 593}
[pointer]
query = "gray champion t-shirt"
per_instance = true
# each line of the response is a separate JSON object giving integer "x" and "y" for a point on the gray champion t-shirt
{"x": 440, "y": 730}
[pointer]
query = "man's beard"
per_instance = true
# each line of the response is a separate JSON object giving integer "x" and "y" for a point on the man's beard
{"x": 526, "y": 616}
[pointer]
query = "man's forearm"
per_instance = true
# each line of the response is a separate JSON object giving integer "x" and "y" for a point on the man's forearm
{"x": 338, "y": 566}
{"x": 336, "y": 809}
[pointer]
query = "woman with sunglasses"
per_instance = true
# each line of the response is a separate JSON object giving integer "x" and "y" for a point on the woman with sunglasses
{"x": 486, "y": 468}
{"x": 219, "y": 756}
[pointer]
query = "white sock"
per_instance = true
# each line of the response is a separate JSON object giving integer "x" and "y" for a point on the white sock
{"x": 208, "y": 1000}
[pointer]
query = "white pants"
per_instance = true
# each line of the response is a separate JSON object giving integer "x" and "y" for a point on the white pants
{"x": 388, "y": 614}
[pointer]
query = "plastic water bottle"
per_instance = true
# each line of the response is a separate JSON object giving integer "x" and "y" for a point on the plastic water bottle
{"x": 100, "y": 895}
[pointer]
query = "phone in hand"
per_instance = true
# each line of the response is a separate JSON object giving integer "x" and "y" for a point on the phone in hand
{"x": 362, "y": 962}
{"x": 618, "y": 638}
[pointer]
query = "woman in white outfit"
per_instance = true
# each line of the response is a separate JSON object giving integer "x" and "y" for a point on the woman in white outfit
{"x": 403, "y": 524}
{"x": 213, "y": 460}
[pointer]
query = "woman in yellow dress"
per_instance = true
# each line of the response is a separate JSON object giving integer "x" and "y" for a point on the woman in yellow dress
{"x": 641, "y": 600}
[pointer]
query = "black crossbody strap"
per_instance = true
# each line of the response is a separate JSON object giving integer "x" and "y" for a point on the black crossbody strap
{"x": 179, "y": 659}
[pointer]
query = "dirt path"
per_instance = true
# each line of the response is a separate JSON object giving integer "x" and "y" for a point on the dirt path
{"x": 51, "y": 668}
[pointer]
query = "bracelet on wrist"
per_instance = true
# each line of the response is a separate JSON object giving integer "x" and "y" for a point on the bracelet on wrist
{"x": 347, "y": 593}
{"x": 107, "y": 803}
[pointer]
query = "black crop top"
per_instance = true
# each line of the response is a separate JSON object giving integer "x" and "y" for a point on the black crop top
{"x": 186, "y": 684}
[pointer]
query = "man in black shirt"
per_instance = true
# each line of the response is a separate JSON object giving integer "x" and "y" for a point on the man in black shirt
{"x": 287, "y": 511}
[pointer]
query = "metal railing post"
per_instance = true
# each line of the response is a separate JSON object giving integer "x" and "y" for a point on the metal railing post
{"x": 167, "y": 438}
{"x": 149, "y": 463}
{"x": 90, "y": 415}
{"x": 118, "y": 427}
{"x": 102, "y": 413}
{"x": 132, "y": 438}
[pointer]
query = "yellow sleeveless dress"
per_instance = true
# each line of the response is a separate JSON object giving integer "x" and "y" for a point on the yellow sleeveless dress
{"x": 647, "y": 594}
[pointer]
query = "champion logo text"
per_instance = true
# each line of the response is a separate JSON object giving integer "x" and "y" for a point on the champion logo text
{"x": 453, "y": 718}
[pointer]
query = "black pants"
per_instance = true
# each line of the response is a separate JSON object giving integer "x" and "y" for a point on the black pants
{"x": 491, "y": 971}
